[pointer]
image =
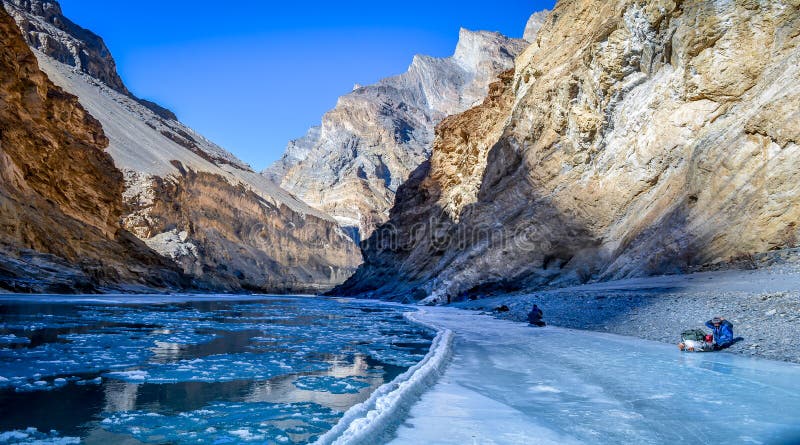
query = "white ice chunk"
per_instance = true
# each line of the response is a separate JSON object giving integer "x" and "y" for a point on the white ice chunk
{"x": 134, "y": 375}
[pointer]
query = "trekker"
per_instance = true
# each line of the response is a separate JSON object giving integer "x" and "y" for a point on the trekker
{"x": 723, "y": 332}
{"x": 535, "y": 316}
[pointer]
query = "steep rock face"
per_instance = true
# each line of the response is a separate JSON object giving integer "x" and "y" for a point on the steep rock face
{"x": 296, "y": 151}
{"x": 535, "y": 23}
{"x": 46, "y": 29}
{"x": 60, "y": 194}
{"x": 234, "y": 238}
{"x": 351, "y": 166}
{"x": 199, "y": 206}
{"x": 662, "y": 136}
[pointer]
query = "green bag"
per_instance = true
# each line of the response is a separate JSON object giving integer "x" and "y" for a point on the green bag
{"x": 693, "y": 334}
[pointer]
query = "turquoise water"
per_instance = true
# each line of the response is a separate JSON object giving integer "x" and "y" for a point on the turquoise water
{"x": 215, "y": 370}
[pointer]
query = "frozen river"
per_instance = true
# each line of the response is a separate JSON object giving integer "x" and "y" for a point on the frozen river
{"x": 193, "y": 369}
{"x": 509, "y": 383}
{"x": 215, "y": 369}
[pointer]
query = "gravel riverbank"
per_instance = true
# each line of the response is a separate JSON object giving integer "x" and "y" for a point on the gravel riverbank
{"x": 763, "y": 305}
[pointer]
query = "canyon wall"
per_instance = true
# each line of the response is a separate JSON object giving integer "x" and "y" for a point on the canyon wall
{"x": 193, "y": 202}
{"x": 632, "y": 138}
{"x": 60, "y": 194}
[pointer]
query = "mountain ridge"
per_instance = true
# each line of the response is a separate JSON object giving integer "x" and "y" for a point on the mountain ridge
{"x": 351, "y": 165}
{"x": 190, "y": 200}
{"x": 46, "y": 29}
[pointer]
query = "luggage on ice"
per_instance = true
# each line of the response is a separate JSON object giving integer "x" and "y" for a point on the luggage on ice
{"x": 696, "y": 340}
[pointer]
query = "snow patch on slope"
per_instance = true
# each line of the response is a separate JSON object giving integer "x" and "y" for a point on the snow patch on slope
{"x": 173, "y": 244}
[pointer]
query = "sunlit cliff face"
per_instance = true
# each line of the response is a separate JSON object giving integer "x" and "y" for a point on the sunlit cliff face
{"x": 660, "y": 137}
{"x": 205, "y": 212}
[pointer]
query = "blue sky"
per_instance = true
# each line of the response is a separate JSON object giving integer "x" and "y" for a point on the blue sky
{"x": 253, "y": 75}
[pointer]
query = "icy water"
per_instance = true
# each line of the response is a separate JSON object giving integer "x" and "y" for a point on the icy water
{"x": 217, "y": 370}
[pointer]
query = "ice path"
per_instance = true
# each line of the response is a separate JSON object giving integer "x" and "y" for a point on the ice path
{"x": 371, "y": 421}
{"x": 509, "y": 383}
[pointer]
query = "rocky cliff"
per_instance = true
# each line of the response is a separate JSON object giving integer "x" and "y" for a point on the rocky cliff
{"x": 351, "y": 166}
{"x": 188, "y": 199}
{"x": 535, "y": 23}
{"x": 46, "y": 28}
{"x": 60, "y": 194}
{"x": 662, "y": 136}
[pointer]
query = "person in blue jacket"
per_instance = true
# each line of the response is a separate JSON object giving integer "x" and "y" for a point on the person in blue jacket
{"x": 535, "y": 316}
{"x": 723, "y": 332}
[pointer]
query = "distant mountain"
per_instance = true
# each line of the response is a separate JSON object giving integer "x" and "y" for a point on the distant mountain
{"x": 535, "y": 23}
{"x": 185, "y": 197}
{"x": 631, "y": 139}
{"x": 351, "y": 165}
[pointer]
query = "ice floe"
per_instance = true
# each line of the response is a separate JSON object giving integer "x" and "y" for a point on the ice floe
{"x": 330, "y": 384}
{"x": 272, "y": 369}
{"x": 32, "y": 436}
{"x": 226, "y": 422}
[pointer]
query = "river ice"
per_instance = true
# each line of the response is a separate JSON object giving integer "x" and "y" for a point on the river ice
{"x": 295, "y": 371}
{"x": 330, "y": 384}
{"x": 227, "y": 423}
{"x": 509, "y": 383}
{"x": 215, "y": 370}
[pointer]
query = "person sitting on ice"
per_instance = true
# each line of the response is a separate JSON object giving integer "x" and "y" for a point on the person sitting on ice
{"x": 723, "y": 332}
{"x": 535, "y": 316}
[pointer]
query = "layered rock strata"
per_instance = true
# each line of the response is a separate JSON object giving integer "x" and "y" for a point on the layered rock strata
{"x": 662, "y": 136}
{"x": 60, "y": 194}
{"x": 187, "y": 198}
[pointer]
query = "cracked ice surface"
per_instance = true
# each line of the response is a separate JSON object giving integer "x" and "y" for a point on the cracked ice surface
{"x": 280, "y": 369}
{"x": 330, "y": 384}
{"x": 221, "y": 368}
{"x": 227, "y": 423}
{"x": 115, "y": 338}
